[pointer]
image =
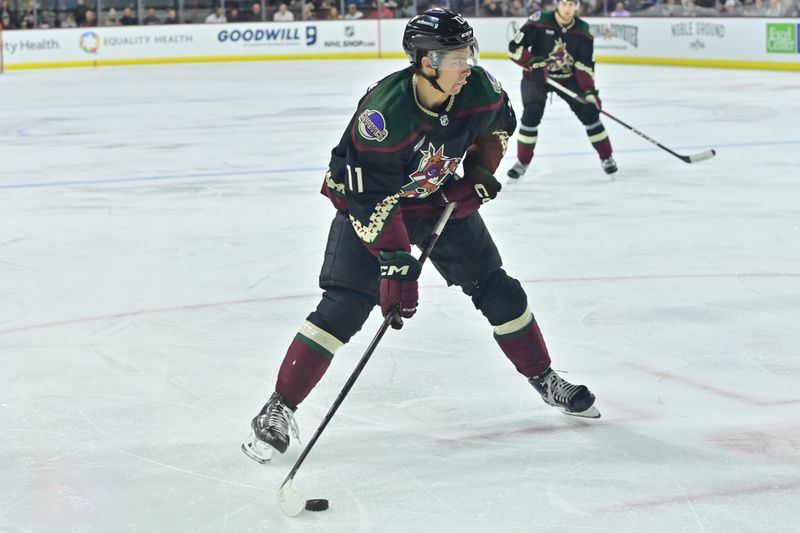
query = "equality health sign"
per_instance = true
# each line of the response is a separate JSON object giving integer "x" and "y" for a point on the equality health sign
{"x": 201, "y": 42}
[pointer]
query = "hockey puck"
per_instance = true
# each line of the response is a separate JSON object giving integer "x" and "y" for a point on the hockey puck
{"x": 317, "y": 505}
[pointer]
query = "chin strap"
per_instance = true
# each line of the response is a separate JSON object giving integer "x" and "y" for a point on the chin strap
{"x": 433, "y": 80}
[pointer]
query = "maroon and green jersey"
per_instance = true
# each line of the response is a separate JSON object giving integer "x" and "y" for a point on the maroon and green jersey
{"x": 568, "y": 50}
{"x": 394, "y": 154}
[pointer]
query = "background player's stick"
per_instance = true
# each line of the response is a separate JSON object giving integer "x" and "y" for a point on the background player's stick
{"x": 695, "y": 158}
{"x": 290, "y": 501}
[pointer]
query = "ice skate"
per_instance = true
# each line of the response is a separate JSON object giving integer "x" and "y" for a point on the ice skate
{"x": 517, "y": 170}
{"x": 609, "y": 165}
{"x": 575, "y": 400}
{"x": 270, "y": 430}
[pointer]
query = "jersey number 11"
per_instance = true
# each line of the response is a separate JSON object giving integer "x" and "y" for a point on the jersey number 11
{"x": 359, "y": 185}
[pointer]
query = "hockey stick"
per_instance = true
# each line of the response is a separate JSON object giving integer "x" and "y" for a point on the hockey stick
{"x": 694, "y": 158}
{"x": 290, "y": 501}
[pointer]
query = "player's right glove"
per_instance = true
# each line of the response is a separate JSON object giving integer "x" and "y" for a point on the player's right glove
{"x": 539, "y": 67}
{"x": 399, "y": 273}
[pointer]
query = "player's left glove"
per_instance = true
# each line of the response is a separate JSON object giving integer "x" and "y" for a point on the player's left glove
{"x": 593, "y": 98}
{"x": 469, "y": 194}
{"x": 399, "y": 273}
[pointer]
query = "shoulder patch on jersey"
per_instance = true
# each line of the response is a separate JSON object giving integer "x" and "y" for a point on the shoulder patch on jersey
{"x": 498, "y": 88}
{"x": 372, "y": 125}
{"x": 536, "y": 16}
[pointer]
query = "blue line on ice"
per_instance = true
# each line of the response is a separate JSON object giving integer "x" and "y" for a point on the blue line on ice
{"x": 202, "y": 175}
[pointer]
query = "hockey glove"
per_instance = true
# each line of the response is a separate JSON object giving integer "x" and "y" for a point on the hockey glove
{"x": 539, "y": 67}
{"x": 592, "y": 98}
{"x": 469, "y": 194}
{"x": 399, "y": 273}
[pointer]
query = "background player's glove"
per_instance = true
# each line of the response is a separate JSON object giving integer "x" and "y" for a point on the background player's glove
{"x": 399, "y": 273}
{"x": 539, "y": 67}
{"x": 469, "y": 194}
{"x": 593, "y": 98}
{"x": 539, "y": 62}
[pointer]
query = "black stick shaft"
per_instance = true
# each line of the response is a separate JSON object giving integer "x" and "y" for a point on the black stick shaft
{"x": 368, "y": 353}
{"x": 574, "y": 95}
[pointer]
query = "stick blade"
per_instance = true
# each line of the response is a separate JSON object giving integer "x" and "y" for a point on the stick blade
{"x": 289, "y": 500}
{"x": 702, "y": 156}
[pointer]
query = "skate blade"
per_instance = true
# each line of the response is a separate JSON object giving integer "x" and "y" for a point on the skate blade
{"x": 591, "y": 412}
{"x": 257, "y": 451}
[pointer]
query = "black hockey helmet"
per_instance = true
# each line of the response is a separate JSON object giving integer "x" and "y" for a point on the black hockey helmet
{"x": 436, "y": 30}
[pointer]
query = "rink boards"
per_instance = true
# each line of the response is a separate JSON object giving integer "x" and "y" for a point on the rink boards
{"x": 706, "y": 42}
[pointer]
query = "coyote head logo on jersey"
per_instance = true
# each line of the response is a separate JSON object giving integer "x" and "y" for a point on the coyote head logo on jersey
{"x": 434, "y": 169}
{"x": 562, "y": 60}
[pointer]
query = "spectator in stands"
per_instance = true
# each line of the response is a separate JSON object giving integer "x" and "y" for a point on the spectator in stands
{"x": 689, "y": 9}
{"x": 353, "y": 13}
{"x": 151, "y": 17}
{"x": 127, "y": 18}
{"x": 492, "y": 9}
{"x": 308, "y": 11}
{"x": 10, "y": 17}
{"x": 256, "y": 14}
{"x": 406, "y": 9}
{"x": 790, "y": 8}
{"x": 620, "y": 11}
{"x": 754, "y": 8}
{"x": 111, "y": 18}
{"x": 588, "y": 8}
{"x": 516, "y": 9}
{"x": 89, "y": 20}
{"x": 669, "y": 8}
{"x": 28, "y": 18}
{"x": 383, "y": 11}
{"x": 283, "y": 14}
{"x": 234, "y": 15}
{"x": 68, "y": 20}
{"x": 534, "y": 5}
{"x": 80, "y": 12}
{"x": 28, "y": 21}
{"x": 333, "y": 14}
{"x": 730, "y": 9}
{"x": 775, "y": 9}
{"x": 43, "y": 20}
{"x": 216, "y": 16}
{"x": 172, "y": 17}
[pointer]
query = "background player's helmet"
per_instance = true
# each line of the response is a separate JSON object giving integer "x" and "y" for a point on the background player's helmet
{"x": 436, "y": 30}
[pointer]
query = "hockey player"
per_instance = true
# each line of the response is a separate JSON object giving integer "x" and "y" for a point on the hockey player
{"x": 557, "y": 44}
{"x": 389, "y": 179}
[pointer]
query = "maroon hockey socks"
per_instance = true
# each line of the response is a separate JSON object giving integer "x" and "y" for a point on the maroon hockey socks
{"x": 522, "y": 342}
{"x": 306, "y": 361}
{"x": 525, "y": 152}
{"x": 598, "y": 136}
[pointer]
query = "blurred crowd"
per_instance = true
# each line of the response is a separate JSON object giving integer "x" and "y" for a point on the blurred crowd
{"x": 29, "y": 14}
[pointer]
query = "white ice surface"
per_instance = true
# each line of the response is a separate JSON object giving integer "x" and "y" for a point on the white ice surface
{"x": 161, "y": 233}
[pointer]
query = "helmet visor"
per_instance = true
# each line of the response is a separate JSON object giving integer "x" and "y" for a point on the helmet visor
{"x": 455, "y": 59}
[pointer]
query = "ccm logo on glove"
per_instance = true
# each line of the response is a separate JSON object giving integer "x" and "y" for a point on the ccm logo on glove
{"x": 391, "y": 271}
{"x": 399, "y": 273}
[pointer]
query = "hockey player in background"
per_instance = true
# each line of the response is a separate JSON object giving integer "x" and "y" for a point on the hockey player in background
{"x": 389, "y": 179}
{"x": 558, "y": 45}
